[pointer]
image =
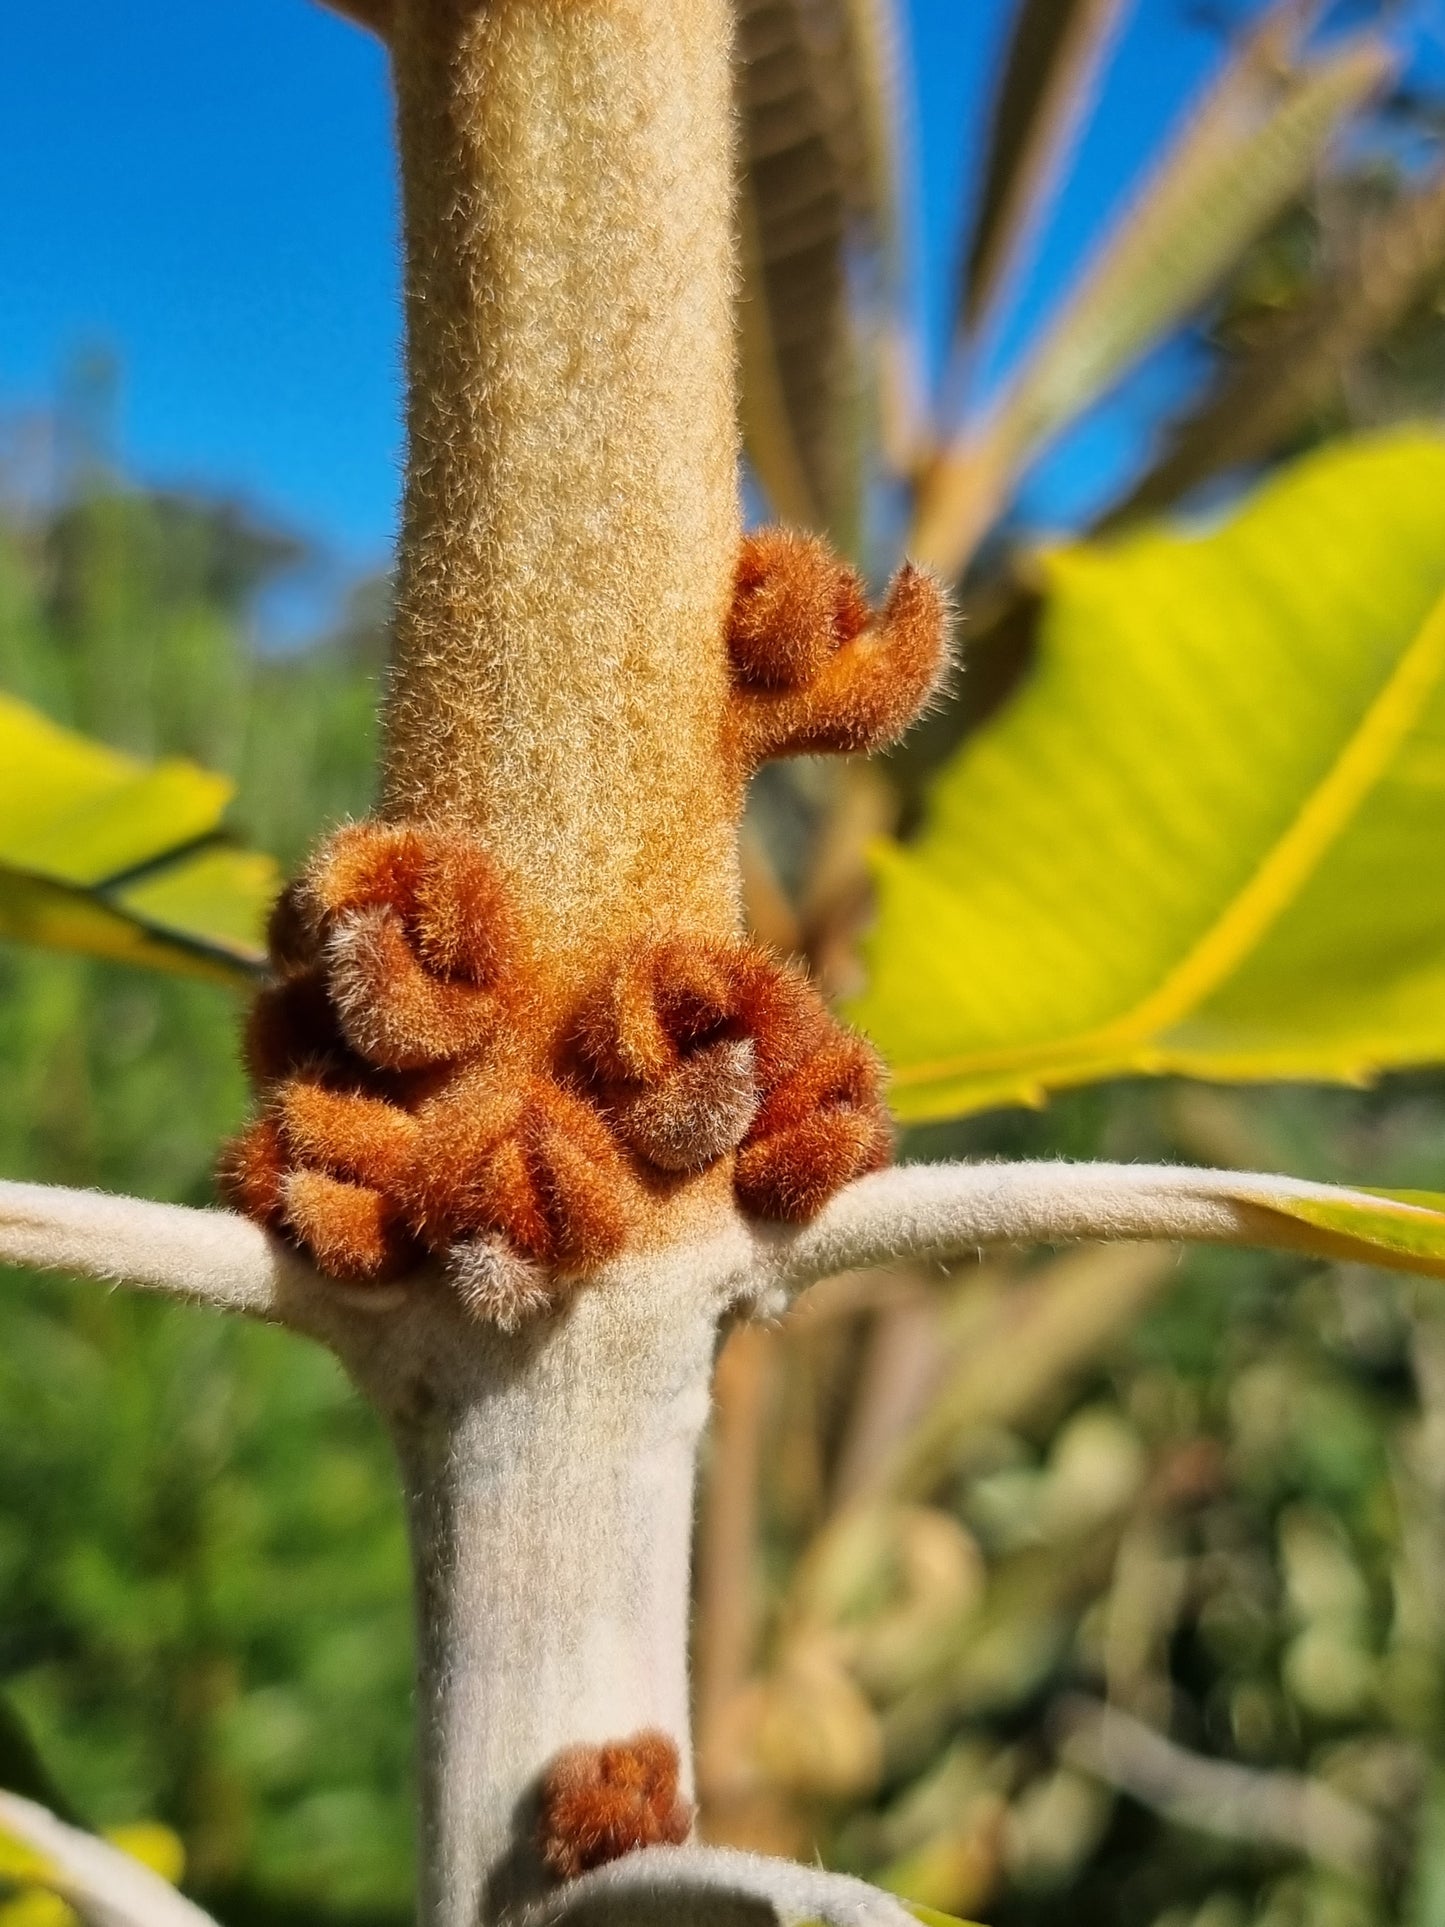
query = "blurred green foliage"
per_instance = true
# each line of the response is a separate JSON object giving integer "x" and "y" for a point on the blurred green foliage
{"x": 203, "y": 1587}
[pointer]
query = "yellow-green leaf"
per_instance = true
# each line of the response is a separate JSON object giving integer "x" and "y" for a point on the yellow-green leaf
{"x": 37, "y": 1909}
{"x": 1206, "y": 837}
{"x": 118, "y": 858}
{"x": 21, "y": 1864}
{"x": 154, "y": 1846}
{"x": 1406, "y": 1232}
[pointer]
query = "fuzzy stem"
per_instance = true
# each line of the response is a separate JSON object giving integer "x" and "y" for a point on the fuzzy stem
{"x": 210, "y": 1257}
{"x": 946, "y": 1211}
{"x": 569, "y": 536}
{"x": 549, "y": 1485}
{"x": 570, "y": 522}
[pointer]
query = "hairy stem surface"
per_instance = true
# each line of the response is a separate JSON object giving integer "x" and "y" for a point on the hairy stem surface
{"x": 549, "y": 1482}
{"x": 569, "y": 537}
{"x": 570, "y": 523}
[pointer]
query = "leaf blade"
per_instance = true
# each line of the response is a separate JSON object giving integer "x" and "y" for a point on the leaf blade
{"x": 1198, "y": 842}
{"x": 102, "y": 854}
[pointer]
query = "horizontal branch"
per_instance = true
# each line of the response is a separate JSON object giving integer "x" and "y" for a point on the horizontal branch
{"x": 945, "y": 1211}
{"x": 106, "y": 1885}
{"x": 1276, "y": 1809}
{"x": 919, "y": 1212}
{"x": 208, "y": 1257}
{"x": 716, "y": 1887}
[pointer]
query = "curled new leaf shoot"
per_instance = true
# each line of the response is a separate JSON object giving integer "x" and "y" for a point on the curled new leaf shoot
{"x": 436, "y": 1082}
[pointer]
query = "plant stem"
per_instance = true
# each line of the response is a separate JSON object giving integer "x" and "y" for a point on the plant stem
{"x": 549, "y": 1486}
{"x": 570, "y": 521}
{"x": 569, "y": 536}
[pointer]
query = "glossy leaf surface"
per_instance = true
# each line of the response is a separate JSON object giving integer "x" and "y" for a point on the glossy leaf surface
{"x": 1205, "y": 838}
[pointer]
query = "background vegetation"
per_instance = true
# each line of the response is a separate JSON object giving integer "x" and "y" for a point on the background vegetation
{"x": 1104, "y": 1587}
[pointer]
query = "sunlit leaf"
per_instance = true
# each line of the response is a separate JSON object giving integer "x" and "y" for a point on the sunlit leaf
{"x": 20, "y": 1864}
{"x": 1407, "y": 1226}
{"x": 122, "y": 859}
{"x": 1231, "y": 172}
{"x": 37, "y": 1909}
{"x": 1205, "y": 837}
{"x": 154, "y": 1846}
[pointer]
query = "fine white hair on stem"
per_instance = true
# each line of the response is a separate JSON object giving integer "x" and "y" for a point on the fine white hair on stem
{"x": 920, "y": 1211}
{"x": 209, "y": 1257}
{"x": 716, "y": 1887}
{"x": 942, "y": 1211}
{"x": 105, "y": 1884}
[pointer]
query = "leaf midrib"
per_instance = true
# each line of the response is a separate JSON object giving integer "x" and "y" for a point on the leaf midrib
{"x": 1272, "y": 887}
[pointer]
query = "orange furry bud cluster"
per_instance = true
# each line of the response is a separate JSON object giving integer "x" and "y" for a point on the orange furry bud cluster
{"x": 404, "y": 1111}
{"x": 813, "y": 669}
{"x": 601, "y": 1802}
{"x": 699, "y": 1048}
{"x": 430, "y": 1089}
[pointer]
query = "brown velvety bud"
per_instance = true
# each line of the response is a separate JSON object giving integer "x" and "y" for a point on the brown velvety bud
{"x": 794, "y": 604}
{"x": 291, "y": 1024}
{"x": 352, "y": 1231}
{"x": 697, "y": 1112}
{"x": 821, "y": 1126}
{"x": 251, "y": 1171}
{"x": 814, "y": 671}
{"x": 601, "y": 1802}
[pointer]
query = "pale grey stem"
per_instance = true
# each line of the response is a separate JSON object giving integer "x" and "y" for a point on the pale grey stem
{"x": 209, "y": 1257}
{"x": 107, "y": 1886}
{"x": 549, "y": 1485}
{"x": 717, "y": 1887}
{"x": 943, "y": 1211}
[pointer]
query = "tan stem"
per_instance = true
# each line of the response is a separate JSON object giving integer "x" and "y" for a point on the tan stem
{"x": 570, "y": 521}
{"x": 569, "y": 537}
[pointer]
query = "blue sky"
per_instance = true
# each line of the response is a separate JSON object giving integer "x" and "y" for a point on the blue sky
{"x": 204, "y": 188}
